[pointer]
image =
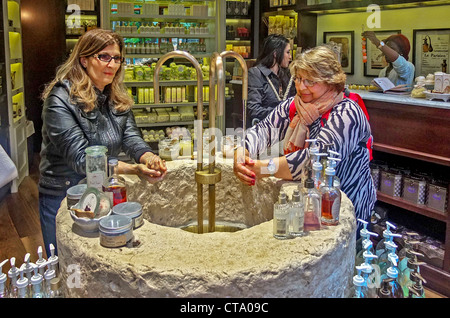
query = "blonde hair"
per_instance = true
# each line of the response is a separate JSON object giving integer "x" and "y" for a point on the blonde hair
{"x": 82, "y": 88}
{"x": 320, "y": 65}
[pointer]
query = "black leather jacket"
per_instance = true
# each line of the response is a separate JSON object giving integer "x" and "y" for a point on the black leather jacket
{"x": 67, "y": 131}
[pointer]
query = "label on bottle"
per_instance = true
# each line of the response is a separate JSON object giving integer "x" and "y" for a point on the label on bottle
{"x": 95, "y": 179}
{"x": 281, "y": 226}
{"x": 335, "y": 208}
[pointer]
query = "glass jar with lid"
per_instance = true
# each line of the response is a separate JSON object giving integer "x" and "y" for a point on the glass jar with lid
{"x": 96, "y": 166}
{"x": 169, "y": 148}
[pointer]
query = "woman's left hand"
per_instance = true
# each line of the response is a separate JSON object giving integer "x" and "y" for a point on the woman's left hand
{"x": 152, "y": 168}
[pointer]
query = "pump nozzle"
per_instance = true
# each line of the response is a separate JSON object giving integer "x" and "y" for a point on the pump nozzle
{"x": 384, "y": 291}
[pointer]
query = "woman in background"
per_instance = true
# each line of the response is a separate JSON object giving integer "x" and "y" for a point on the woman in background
{"x": 395, "y": 51}
{"x": 269, "y": 80}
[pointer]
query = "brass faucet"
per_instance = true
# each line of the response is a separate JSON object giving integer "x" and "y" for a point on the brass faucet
{"x": 244, "y": 67}
{"x": 211, "y": 175}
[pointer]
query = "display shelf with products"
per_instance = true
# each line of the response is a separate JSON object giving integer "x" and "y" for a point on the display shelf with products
{"x": 13, "y": 88}
{"x": 152, "y": 29}
{"x": 407, "y": 135}
{"x": 81, "y": 16}
{"x": 240, "y": 27}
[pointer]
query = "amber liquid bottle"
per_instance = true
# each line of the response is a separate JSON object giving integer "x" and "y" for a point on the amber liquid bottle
{"x": 115, "y": 186}
{"x": 331, "y": 200}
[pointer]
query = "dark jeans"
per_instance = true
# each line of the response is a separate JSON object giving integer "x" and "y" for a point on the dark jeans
{"x": 48, "y": 208}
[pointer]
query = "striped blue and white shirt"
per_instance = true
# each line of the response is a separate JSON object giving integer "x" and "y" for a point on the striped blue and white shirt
{"x": 347, "y": 129}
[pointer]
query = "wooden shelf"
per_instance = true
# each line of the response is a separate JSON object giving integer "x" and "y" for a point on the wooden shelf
{"x": 171, "y": 123}
{"x": 407, "y": 205}
{"x": 412, "y": 154}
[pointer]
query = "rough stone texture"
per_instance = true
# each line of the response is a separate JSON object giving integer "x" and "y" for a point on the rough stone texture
{"x": 171, "y": 262}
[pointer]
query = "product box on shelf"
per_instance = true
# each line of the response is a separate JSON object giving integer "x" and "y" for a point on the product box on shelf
{"x": 437, "y": 197}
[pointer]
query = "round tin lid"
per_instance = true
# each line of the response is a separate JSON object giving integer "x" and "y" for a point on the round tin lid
{"x": 76, "y": 191}
{"x": 127, "y": 208}
{"x": 115, "y": 222}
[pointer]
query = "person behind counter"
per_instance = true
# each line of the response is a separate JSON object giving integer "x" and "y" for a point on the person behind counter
{"x": 269, "y": 81}
{"x": 87, "y": 104}
{"x": 395, "y": 51}
{"x": 319, "y": 81}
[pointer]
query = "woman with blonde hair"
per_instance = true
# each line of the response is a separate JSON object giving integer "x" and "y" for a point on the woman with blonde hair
{"x": 87, "y": 104}
{"x": 319, "y": 111}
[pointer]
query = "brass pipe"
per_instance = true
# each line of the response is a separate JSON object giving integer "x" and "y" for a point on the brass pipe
{"x": 215, "y": 69}
{"x": 244, "y": 67}
{"x": 199, "y": 122}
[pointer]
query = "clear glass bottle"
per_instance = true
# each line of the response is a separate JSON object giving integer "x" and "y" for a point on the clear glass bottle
{"x": 296, "y": 214}
{"x": 115, "y": 186}
{"x": 312, "y": 202}
{"x": 281, "y": 217}
{"x": 96, "y": 166}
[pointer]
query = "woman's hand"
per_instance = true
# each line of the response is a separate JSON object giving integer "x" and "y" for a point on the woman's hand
{"x": 370, "y": 35}
{"x": 244, "y": 167}
{"x": 151, "y": 168}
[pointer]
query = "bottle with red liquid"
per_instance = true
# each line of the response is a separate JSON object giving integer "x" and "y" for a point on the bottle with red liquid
{"x": 312, "y": 202}
{"x": 331, "y": 198}
{"x": 115, "y": 186}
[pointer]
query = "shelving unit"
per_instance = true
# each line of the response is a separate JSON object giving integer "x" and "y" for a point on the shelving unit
{"x": 13, "y": 87}
{"x": 406, "y": 133}
{"x": 81, "y": 16}
{"x": 151, "y": 29}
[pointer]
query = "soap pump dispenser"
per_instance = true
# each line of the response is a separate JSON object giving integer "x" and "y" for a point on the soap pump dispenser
{"x": 296, "y": 214}
{"x": 418, "y": 284}
{"x": 312, "y": 203}
{"x": 361, "y": 242}
{"x": 3, "y": 278}
{"x": 383, "y": 259}
{"x": 332, "y": 162}
{"x": 28, "y": 266}
{"x": 317, "y": 168}
{"x": 392, "y": 273}
{"x": 37, "y": 289}
{"x": 54, "y": 260}
{"x": 13, "y": 275}
{"x": 360, "y": 283}
{"x": 281, "y": 217}
{"x": 384, "y": 291}
{"x": 40, "y": 260}
{"x": 371, "y": 280}
{"x": 22, "y": 284}
{"x": 388, "y": 235}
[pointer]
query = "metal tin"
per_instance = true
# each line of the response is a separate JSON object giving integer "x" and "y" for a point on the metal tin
{"x": 437, "y": 195}
{"x": 74, "y": 194}
{"x": 131, "y": 209}
{"x": 116, "y": 231}
{"x": 391, "y": 182}
{"x": 414, "y": 189}
{"x": 375, "y": 172}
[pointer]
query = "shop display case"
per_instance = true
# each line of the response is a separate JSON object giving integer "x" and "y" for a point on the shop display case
{"x": 152, "y": 29}
{"x": 13, "y": 93}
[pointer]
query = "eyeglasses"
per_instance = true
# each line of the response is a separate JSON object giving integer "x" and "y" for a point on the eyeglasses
{"x": 306, "y": 82}
{"x": 107, "y": 58}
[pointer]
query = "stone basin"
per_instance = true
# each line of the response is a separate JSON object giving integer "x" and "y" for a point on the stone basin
{"x": 172, "y": 262}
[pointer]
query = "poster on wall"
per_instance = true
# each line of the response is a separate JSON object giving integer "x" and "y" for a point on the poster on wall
{"x": 431, "y": 51}
{"x": 375, "y": 59}
{"x": 345, "y": 42}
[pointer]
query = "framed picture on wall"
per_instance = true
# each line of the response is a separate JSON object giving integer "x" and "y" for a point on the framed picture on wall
{"x": 431, "y": 50}
{"x": 345, "y": 41}
{"x": 375, "y": 61}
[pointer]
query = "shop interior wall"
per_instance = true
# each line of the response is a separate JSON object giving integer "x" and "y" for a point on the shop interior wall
{"x": 406, "y": 20}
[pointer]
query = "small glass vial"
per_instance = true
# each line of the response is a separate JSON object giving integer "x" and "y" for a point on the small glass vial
{"x": 281, "y": 217}
{"x": 296, "y": 214}
{"x": 56, "y": 288}
{"x": 96, "y": 166}
{"x": 115, "y": 186}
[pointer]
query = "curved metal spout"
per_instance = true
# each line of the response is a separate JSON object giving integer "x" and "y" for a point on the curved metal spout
{"x": 244, "y": 67}
{"x": 199, "y": 121}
